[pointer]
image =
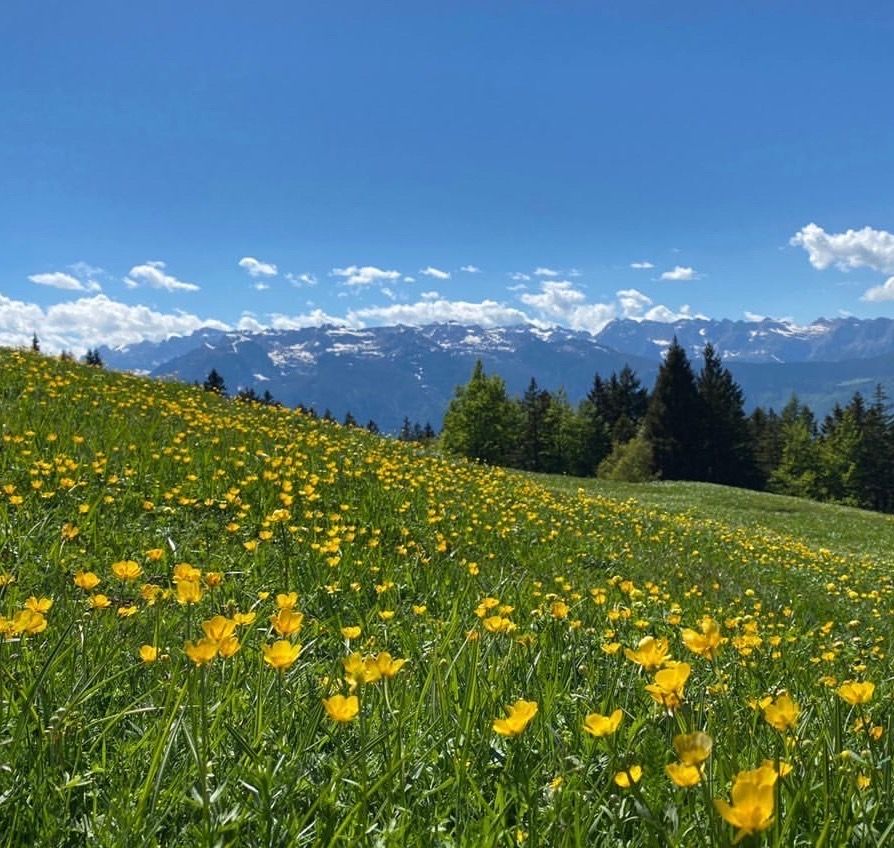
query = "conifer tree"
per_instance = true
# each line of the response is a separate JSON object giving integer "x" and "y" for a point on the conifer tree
{"x": 214, "y": 383}
{"x": 672, "y": 422}
{"x": 727, "y": 453}
{"x": 533, "y": 442}
{"x": 35, "y": 343}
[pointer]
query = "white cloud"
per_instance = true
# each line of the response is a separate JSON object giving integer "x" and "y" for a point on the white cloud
{"x": 315, "y": 318}
{"x": 632, "y": 302}
{"x": 250, "y": 324}
{"x": 680, "y": 272}
{"x": 57, "y": 280}
{"x": 299, "y": 280}
{"x": 153, "y": 275}
{"x": 878, "y": 294}
{"x": 642, "y": 266}
{"x": 437, "y": 273}
{"x": 517, "y": 287}
{"x": 487, "y": 313}
{"x": 545, "y": 272}
{"x": 389, "y": 293}
{"x": 365, "y": 275}
{"x": 259, "y": 286}
{"x": 866, "y": 248}
{"x": 519, "y": 277}
{"x": 559, "y": 302}
{"x": 409, "y": 279}
{"x": 471, "y": 269}
{"x": 754, "y": 316}
{"x": 430, "y": 295}
{"x": 89, "y": 321}
{"x": 256, "y": 268}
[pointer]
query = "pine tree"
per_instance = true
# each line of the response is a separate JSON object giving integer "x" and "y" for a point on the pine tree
{"x": 766, "y": 436}
{"x": 35, "y": 343}
{"x": 372, "y": 427}
{"x": 532, "y": 445}
{"x": 349, "y": 420}
{"x": 214, "y": 383}
{"x": 594, "y": 440}
{"x": 727, "y": 452}
{"x": 672, "y": 422}
{"x": 621, "y": 402}
{"x": 406, "y": 431}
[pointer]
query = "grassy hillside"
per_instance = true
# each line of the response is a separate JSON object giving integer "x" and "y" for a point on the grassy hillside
{"x": 230, "y": 625}
{"x": 842, "y": 529}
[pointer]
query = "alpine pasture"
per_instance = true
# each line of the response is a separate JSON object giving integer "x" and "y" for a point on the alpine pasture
{"x": 229, "y": 624}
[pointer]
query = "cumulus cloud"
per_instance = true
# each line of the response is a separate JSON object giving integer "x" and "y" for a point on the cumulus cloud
{"x": 519, "y": 277}
{"x": 256, "y": 268}
{"x": 153, "y": 274}
{"x": 680, "y": 272}
{"x": 259, "y": 286}
{"x": 314, "y": 318}
{"x": 878, "y": 294}
{"x": 866, "y": 248}
{"x": 560, "y": 302}
{"x": 299, "y": 280}
{"x": 487, "y": 313}
{"x": 89, "y": 321}
{"x": 545, "y": 272}
{"x": 366, "y": 275}
{"x": 471, "y": 269}
{"x": 437, "y": 273}
{"x": 57, "y": 280}
{"x": 642, "y": 266}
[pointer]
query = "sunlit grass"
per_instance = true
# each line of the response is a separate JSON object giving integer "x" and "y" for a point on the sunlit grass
{"x": 228, "y": 624}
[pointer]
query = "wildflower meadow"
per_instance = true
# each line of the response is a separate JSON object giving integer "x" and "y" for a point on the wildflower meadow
{"x": 223, "y": 623}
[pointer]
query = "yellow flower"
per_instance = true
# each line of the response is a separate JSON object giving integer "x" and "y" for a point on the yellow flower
{"x": 706, "y": 643}
{"x": 29, "y": 622}
{"x": 693, "y": 748}
{"x": 650, "y": 653}
{"x": 855, "y": 692}
{"x": 281, "y": 654}
{"x": 128, "y": 611}
{"x": 287, "y": 621}
{"x": 227, "y": 647}
{"x": 386, "y": 615}
{"x": 148, "y": 653}
{"x": 784, "y": 768}
{"x": 386, "y": 666}
{"x": 683, "y": 775}
{"x": 86, "y": 580}
{"x": 518, "y": 716}
{"x": 189, "y": 592}
{"x": 185, "y": 571}
{"x": 99, "y": 601}
{"x": 350, "y": 632}
{"x": 782, "y": 713}
{"x": 218, "y": 628}
{"x": 342, "y": 709}
{"x": 667, "y": 689}
{"x": 155, "y": 554}
{"x": 752, "y": 797}
{"x": 243, "y": 618}
{"x": 41, "y": 605}
{"x": 201, "y": 652}
{"x": 497, "y": 624}
{"x": 126, "y": 569}
{"x": 149, "y": 592}
{"x": 630, "y": 776}
{"x": 419, "y": 609}
{"x": 287, "y": 600}
{"x": 559, "y": 609}
{"x": 213, "y": 578}
{"x": 610, "y": 648}
{"x": 600, "y": 725}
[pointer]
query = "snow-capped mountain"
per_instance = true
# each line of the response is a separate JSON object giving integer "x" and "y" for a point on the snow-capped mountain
{"x": 386, "y": 373}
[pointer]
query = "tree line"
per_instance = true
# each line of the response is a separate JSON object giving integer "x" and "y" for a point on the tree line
{"x": 690, "y": 426}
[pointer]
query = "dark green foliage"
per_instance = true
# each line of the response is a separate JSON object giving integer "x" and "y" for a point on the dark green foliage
{"x": 214, "y": 383}
{"x": 726, "y": 452}
{"x": 621, "y": 402}
{"x": 674, "y": 419}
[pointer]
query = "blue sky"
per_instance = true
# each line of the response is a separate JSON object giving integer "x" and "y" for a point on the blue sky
{"x": 359, "y": 152}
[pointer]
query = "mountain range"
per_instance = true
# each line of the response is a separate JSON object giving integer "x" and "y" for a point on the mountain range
{"x": 386, "y": 373}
